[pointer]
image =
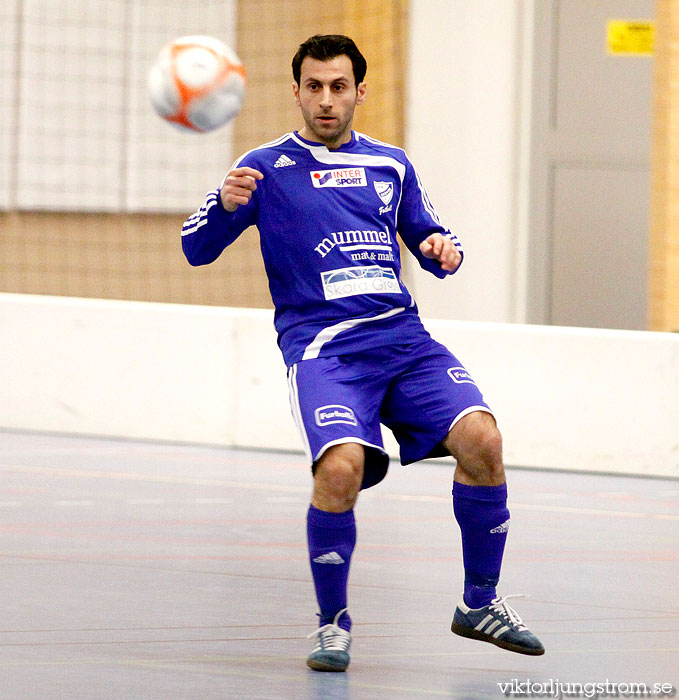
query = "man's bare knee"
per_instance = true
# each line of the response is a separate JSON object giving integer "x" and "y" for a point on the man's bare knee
{"x": 338, "y": 478}
{"x": 476, "y": 444}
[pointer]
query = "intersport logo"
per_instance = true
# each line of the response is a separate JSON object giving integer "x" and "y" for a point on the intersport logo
{"x": 343, "y": 177}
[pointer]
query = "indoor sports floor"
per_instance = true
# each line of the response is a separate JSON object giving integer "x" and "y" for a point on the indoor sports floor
{"x": 140, "y": 571}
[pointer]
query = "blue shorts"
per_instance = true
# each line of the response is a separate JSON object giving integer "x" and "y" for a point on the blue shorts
{"x": 418, "y": 391}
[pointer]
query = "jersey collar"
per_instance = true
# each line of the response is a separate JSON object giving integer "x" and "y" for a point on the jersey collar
{"x": 317, "y": 145}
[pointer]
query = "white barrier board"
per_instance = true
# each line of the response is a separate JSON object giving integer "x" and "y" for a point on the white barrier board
{"x": 565, "y": 398}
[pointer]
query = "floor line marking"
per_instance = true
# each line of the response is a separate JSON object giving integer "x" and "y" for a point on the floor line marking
{"x": 196, "y": 481}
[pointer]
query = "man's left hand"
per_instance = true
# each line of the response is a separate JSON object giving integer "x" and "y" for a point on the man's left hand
{"x": 438, "y": 247}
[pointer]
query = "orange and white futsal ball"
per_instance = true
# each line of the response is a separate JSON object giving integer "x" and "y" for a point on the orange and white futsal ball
{"x": 197, "y": 83}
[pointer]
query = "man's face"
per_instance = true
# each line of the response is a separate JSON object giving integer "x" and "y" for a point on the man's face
{"x": 327, "y": 96}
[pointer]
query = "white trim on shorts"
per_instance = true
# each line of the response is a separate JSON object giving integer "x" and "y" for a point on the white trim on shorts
{"x": 343, "y": 441}
{"x": 293, "y": 394}
{"x": 467, "y": 411}
{"x": 296, "y": 409}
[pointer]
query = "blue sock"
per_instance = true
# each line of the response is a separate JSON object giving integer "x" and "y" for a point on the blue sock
{"x": 331, "y": 538}
{"x": 481, "y": 513}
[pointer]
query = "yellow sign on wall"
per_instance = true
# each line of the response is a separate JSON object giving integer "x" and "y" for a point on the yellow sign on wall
{"x": 630, "y": 37}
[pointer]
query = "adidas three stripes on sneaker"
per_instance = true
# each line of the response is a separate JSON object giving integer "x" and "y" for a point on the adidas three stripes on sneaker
{"x": 497, "y": 624}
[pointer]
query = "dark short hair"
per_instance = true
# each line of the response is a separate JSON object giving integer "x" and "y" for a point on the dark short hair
{"x": 324, "y": 47}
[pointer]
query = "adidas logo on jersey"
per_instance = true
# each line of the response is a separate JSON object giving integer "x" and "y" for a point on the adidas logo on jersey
{"x": 283, "y": 161}
{"x": 329, "y": 558}
{"x": 500, "y": 529}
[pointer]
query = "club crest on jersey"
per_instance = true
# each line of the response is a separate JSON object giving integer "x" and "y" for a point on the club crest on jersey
{"x": 343, "y": 177}
{"x": 460, "y": 375}
{"x": 385, "y": 191}
{"x": 334, "y": 413}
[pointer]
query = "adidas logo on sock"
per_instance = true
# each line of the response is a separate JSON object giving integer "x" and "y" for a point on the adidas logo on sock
{"x": 283, "y": 161}
{"x": 500, "y": 528}
{"x": 329, "y": 558}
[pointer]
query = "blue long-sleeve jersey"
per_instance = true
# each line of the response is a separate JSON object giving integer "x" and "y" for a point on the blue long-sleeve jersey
{"x": 328, "y": 222}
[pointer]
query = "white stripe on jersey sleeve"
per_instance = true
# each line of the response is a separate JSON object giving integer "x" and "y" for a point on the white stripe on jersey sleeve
{"x": 199, "y": 218}
{"x": 426, "y": 201}
{"x": 210, "y": 200}
{"x": 193, "y": 229}
{"x": 432, "y": 212}
{"x": 195, "y": 221}
{"x": 454, "y": 239}
{"x": 429, "y": 207}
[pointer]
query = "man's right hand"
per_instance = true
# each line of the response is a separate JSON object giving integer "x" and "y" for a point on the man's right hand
{"x": 239, "y": 184}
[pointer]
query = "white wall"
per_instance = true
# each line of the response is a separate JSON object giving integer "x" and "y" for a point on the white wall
{"x": 466, "y": 73}
{"x": 565, "y": 398}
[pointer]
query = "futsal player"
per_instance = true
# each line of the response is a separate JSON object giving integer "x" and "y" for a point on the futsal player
{"x": 328, "y": 203}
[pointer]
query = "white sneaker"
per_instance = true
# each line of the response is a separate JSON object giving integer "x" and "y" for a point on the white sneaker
{"x": 331, "y": 652}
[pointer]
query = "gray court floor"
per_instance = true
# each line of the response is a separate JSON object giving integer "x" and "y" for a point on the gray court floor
{"x": 137, "y": 570}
